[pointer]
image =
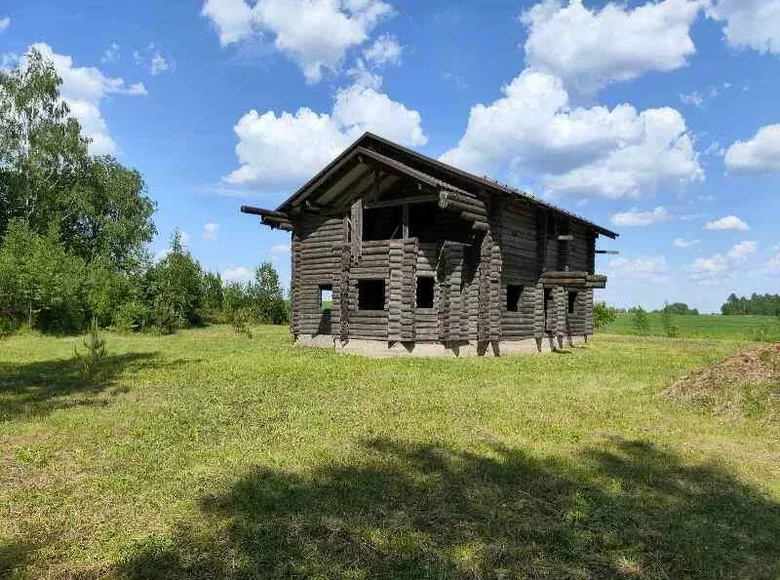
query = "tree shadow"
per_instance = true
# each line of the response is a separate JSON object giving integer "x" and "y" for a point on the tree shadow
{"x": 37, "y": 388}
{"x": 627, "y": 510}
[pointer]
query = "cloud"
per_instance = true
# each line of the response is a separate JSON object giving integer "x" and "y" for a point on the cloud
{"x": 636, "y": 218}
{"x": 280, "y": 152}
{"x": 730, "y": 222}
{"x": 158, "y": 63}
{"x": 210, "y": 231}
{"x": 683, "y": 244}
{"x": 612, "y": 44}
{"x": 385, "y": 50}
{"x": 648, "y": 268}
{"x": 708, "y": 267}
{"x": 5, "y": 22}
{"x": 751, "y": 24}
{"x": 773, "y": 265}
{"x": 111, "y": 54}
{"x": 279, "y": 250}
{"x": 722, "y": 265}
{"x": 761, "y": 154}
{"x": 236, "y": 274}
{"x": 617, "y": 153}
{"x": 742, "y": 250}
{"x": 316, "y": 34}
{"x": 83, "y": 89}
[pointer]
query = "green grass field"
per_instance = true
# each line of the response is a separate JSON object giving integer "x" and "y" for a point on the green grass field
{"x": 705, "y": 326}
{"x": 210, "y": 455}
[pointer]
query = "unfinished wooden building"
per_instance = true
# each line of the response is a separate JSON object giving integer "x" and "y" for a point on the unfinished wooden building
{"x": 394, "y": 252}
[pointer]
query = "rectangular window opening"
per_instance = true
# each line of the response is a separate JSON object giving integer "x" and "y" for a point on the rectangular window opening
{"x": 371, "y": 294}
{"x": 383, "y": 223}
{"x": 572, "y": 301}
{"x": 513, "y": 294}
{"x": 425, "y": 286}
{"x": 326, "y": 297}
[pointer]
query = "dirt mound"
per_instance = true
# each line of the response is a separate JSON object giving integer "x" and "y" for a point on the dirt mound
{"x": 746, "y": 384}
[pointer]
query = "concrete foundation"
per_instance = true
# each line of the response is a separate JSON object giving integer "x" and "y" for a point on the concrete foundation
{"x": 382, "y": 348}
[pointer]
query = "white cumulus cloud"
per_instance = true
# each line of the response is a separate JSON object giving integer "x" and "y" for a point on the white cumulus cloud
{"x": 751, "y": 24}
{"x": 612, "y": 153}
{"x": 648, "y": 268}
{"x": 281, "y": 151}
{"x": 236, "y": 274}
{"x": 730, "y": 222}
{"x": 742, "y": 250}
{"x": 385, "y": 50}
{"x": 761, "y": 154}
{"x": 5, "y": 22}
{"x": 722, "y": 265}
{"x": 210, "y": 231}
{"x": 316, "y": 34}
{"x": 636, "y": 218}
{"x": 590, "y": 47}
{"x": 83, "y": 89}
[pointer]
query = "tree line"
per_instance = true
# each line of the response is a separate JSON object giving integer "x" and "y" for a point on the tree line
{"x": 761, "y": 304}
{"x": 75, "y": 229}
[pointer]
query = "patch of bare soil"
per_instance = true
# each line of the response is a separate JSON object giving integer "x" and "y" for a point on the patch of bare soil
{"x": 746, "y": 384}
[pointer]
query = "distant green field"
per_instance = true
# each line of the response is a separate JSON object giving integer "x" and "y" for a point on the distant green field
{"x": 707, "y": 326}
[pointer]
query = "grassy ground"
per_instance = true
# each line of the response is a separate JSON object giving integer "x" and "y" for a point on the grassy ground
{"x": 210, "y": 455}
{"x": 707, "y": 326}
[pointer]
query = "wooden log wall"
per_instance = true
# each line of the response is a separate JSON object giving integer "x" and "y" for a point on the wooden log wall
{"x": 539, "y": 315}
{"x": 426, "y": 320}
{"x": 576, "y": 321}
{"x": 579, "y": 248}
{"x": 317, "y": 254}
{"x": 520, "y": 242}
{"x": 450, "y": 269}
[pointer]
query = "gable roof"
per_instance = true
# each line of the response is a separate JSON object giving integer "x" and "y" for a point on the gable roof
{"x": 425, "y": 169}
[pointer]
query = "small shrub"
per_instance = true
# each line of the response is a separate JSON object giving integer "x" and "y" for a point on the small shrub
{"x": 131, "y": 317}
{"x": 639, "y": 320}
{"x": 667, "y": 322}
{"x": 603, "y": 315}
{"x": 240, "y": 319}
{"x": 765, "y": 333}
{"x": 95, "y": 351}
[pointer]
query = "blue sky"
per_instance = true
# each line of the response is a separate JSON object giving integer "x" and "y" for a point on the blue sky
{"x": 659, "y": 119}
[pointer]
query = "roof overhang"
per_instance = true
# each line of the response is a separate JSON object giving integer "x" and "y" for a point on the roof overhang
{"x": 355, "y": 170}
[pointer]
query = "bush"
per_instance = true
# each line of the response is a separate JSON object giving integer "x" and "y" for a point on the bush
{"x": 131, "y": 316}
{"x": 603, "y": 315}
{"x": 96, "y": 351}
{"x": 639, "y": 320}
{"x": 667, "y": 322}
{"x": 240, "y": 319}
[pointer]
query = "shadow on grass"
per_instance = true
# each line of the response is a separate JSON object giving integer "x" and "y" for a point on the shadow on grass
{"x": 40, "y": 387}
{"x": 625, "y": 510}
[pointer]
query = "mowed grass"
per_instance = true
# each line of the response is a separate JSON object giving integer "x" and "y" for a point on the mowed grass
{"x": 210, "y": 455}
{"x": 705, "y": 326}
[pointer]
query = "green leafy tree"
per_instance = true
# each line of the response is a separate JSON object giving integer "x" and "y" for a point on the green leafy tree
{"x": 41, "y": 285}
{"x": 48, "y": 178}
{"x": 603, "y": 315}
{"x": 639, "y": 320}
{"x": 267, "y": 295}
{"x": 174, "y": 289}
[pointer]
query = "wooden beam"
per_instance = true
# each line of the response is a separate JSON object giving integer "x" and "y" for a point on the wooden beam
{"x": 610, "y": 252}
{"x": 403, "y": 201}
{"x": 405, "y": 221}
{"x": 248, "y": 209}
